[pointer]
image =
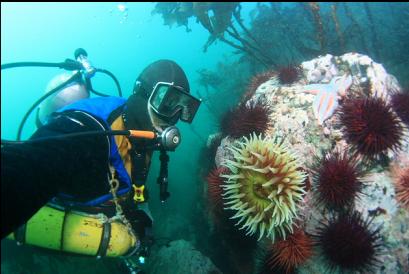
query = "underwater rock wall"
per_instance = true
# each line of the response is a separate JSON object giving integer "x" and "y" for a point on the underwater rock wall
{"x": 305, "y": 114}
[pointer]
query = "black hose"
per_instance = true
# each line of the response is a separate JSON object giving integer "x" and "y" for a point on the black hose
{"x": 113, "y": 78}
{"x": 70, "y": 135}
{"x": 99, "y": 93}
{"x": 163, "y": 176}
{"x": 68, "y": 65}
{"x": 90, "y": 88}
{"x": 42, "y": 98}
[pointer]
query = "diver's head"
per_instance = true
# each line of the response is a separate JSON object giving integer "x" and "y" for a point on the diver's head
{"x": 160, "y": 98}
{"x": 72, "y": 89}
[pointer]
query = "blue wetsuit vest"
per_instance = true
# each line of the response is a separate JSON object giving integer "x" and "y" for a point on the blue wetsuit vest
{"x": 102, "y": 107}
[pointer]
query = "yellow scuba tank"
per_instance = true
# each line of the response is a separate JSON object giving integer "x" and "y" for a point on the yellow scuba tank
{"x": 76, "y": 232}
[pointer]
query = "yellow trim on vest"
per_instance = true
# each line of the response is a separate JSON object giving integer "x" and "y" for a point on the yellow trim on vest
{"x": 138, "y": 193}
{"x": 123, "y": 144}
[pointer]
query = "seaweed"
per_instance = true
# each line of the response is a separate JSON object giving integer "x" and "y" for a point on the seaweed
{"x": 289, "y": 33}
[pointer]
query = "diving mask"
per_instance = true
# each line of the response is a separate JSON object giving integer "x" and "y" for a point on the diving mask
{"x": 168, "y": 101}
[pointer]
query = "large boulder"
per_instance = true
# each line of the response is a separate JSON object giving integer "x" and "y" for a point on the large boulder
{"x": 294, "y": 120}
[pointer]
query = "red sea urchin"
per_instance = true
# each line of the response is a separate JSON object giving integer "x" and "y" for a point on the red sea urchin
{"x": 337, "y": 180}
{"x": 263, "y": 266}
{"x": 400, "y": 103}
{"x": 245, "y": 119}
{"x": 401, "y": 180}
{"x": 370, "y": 126}
{"x": 291, "y": 252}
{"x": 214, "y": 184}
{"x": 289, "y": 74}
{"x": 348, "y": 242}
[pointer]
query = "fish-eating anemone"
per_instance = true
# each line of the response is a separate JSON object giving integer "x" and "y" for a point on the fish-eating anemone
{"x": 264, "y": 186}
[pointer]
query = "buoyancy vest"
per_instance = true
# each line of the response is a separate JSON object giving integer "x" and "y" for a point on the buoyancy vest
{"x": 102, "y": 108}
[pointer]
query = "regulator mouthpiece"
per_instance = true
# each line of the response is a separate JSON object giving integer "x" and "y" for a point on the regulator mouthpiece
{"x": 170, "y": 138}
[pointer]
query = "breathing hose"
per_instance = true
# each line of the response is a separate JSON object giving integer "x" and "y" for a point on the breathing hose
{"x": 38, "y": 102}
{"x": 67, "y": 65}
{"x": 81, "y": 65}
{"x": 130, "y": 133}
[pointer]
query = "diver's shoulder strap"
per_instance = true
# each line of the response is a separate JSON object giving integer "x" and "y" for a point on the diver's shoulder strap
{"x": 139, "y": 169}
{"x": 115, "y": 114}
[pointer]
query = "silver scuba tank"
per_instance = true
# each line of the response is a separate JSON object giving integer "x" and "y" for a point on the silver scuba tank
{"x": 69, "y": 93}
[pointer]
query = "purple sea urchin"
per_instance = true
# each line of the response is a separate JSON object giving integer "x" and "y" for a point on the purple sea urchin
{"x": 245, "y": 119}
{"x": 337, "y": 180}
{"x": 289, "y": 74}
{"x": 264, "y": 186}
{"x": 370, "y": 126}
{"x": 348, "y": 243}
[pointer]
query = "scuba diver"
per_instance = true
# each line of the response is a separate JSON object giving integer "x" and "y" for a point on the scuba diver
{"x": 92, "y": 155}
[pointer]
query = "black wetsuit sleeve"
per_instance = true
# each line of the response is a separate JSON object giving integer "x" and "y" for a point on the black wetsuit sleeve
{"x": 33, "y": 173}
